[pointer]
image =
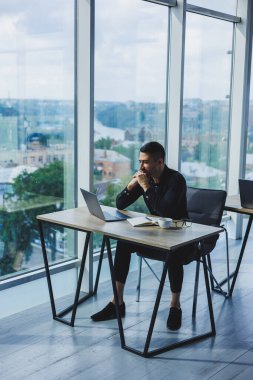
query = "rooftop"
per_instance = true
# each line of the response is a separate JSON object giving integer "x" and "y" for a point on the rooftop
{"x": 109, "y": 155}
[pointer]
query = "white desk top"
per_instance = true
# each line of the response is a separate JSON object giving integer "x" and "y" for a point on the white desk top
{"x": 82, "y": 220}
{"x": 233, "y": 203}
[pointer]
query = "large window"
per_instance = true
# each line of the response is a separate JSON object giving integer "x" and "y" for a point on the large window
{"x": 131, "y": 50}
{"x": 36, "y": 128}
{"x": 206, "y": 101}
{"x": 130, "y": 89}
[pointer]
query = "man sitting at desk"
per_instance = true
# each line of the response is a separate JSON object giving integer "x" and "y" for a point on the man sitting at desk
{"x": 164, "y": 192}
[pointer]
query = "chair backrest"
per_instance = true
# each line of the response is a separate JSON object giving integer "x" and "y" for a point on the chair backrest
{"x": 205, "y": 206}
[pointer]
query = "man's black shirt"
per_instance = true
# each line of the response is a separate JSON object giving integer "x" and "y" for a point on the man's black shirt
{"x": 166, "y": 199}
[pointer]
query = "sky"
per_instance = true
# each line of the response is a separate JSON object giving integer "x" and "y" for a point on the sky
{"x": 131, "y": 52}
{"x": 37, "y": 50}
{"x": 207, "y": 57}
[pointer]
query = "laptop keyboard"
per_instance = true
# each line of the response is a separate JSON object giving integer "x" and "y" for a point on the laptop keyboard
{"x": 117, "y": 215}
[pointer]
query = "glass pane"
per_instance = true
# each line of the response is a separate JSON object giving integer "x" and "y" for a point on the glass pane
{"x": 130, "y": 88}
{"x": 206, "y": 101}
{"x": 225, "y": 6}
{"x": 36, "y": 129}
{"x": 130, "y": 91}
{"x": 249, "y": 154}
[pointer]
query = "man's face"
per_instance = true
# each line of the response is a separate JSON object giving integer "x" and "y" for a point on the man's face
{"x": 149, "y": 165}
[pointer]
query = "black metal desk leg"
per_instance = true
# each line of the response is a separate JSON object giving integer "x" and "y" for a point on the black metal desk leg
{"x": 155, "y": 310}
{"x": 99, "y": 266}
{"x": 209, "y": 298}
{"x": 80, "y": 277}
{"x": 49, "y": 283}
{"x": 146, "y": 352}
{"x": 59, "y": 316}
{"x": 109, "y": 253}
{"x": 235, "y": 274}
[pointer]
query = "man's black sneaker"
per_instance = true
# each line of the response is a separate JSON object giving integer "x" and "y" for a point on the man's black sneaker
{"x": 109, "y": 312}
{"x": 174, "y": 319}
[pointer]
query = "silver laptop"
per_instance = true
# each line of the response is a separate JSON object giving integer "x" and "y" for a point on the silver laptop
{"x": 246, "y": 193}
{"x": 99, "y": 211}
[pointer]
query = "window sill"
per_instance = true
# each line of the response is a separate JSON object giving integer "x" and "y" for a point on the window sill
{"x": 37, "y": 274}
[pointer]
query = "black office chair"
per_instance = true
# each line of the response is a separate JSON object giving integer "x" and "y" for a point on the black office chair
{"x": 205, "y": 207}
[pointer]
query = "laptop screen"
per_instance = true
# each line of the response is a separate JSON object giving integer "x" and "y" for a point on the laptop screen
{"x": 246, "y": 193}
{"x": 95, "y": 209}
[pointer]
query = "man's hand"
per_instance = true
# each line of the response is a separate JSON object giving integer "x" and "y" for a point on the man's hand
{"x": 140, "y": 178}
{"x": 132, "y": 183}
{"x": 143, "y": 179}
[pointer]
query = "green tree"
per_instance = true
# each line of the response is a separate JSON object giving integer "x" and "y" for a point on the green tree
{"x": 48, "y": 180}
{"x": 33, "y": 193}
{"x": 111, "y": 194}
{"x": 103, "y": 143}
{"x": 117, "y": 115}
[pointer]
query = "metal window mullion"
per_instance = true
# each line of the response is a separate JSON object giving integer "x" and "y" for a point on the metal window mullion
{"x": 247, "y": 85}
{"x": 75, "y": 104}
{"x": 167, "y": 85}
{"x": 167, "y": 3}
{"x": 239, "y": 109}
{"x": 230, "y": 104}
{"x": 85, "y": 119}
{"x": 212, "y": 13}
{"x": 175, "y": 81}
{"x": 182, "y": 87}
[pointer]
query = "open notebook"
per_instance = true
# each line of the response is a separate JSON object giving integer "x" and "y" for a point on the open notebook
{"x": 143, "y": 221}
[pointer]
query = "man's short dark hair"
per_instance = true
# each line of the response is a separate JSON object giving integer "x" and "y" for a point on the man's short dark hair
{"x": 155, "y": 149}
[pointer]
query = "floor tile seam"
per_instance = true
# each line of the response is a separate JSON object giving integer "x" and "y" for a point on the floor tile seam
{"x": 228, "y": 364}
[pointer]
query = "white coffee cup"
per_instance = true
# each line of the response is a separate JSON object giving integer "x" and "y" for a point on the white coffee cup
{"x": 165, "y": 222}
